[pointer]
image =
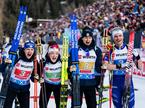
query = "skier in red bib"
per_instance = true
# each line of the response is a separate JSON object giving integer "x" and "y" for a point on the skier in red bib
{"x": 20, "y": 77}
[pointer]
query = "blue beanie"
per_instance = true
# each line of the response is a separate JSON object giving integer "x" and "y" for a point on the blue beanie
{"x": 29, "y": 44}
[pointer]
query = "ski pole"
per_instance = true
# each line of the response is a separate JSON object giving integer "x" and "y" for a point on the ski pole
{"x": 35, "y": 83}
{"x": 39, "y": 53}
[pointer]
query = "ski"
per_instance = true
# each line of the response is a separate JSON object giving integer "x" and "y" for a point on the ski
{"x": 64, "y": 74}
{"x": 74, "y": 53}
{"x": 12, "y": 54}
{"x": 110, "y": 83}
{"x": 39, "y": 48}
{"x": 128, "y": 75}
{"x": 106, "y": 47}
{"x": 35, "y": 83}
{"x": 104, "y": 51}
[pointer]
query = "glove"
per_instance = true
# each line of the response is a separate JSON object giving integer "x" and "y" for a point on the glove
{"x": 72, "y": 68}
{"x": 36, "y": 76}
{"x": 127, "y": 65}
{"x": 8, "y": 61}
{"x": 41, "y": 80}
{"x": 104, "y": 66}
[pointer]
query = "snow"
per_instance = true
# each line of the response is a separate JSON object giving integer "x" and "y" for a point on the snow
{"x": 139, "y": 94}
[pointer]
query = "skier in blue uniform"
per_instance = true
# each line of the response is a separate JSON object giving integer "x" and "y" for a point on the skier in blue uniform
{"x": 20, "y": 77}
{"x": 90, "y": 61}
{"x": 118, "y": 63}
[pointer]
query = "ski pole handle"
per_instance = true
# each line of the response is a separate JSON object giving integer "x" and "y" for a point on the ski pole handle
{"x": 39, "y": 46}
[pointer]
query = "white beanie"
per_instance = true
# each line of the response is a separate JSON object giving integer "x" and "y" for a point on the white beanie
{"x": 116, "y": 30}
{"x": 53, "y": 48}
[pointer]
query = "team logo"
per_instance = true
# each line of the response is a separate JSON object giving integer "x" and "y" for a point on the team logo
{"x": 87, "y": 34}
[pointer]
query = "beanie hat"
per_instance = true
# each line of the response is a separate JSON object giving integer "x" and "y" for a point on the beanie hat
{"x": 87, "y": 32}
{"x": 116, "y": 30}
{"x": 29, "y": 44}
{"x": 53, "y": 46}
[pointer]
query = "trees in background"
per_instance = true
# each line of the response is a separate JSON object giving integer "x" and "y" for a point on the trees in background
{"x": 1, "y": 16}
{"x": 36, "y": 9}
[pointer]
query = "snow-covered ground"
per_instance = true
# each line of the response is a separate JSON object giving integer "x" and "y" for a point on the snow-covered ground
{"x": 139, "y": 94}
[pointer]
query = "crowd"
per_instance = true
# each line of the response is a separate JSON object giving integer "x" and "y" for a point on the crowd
{"x": 99, "y": 16}
{"x": 92, "y": 21}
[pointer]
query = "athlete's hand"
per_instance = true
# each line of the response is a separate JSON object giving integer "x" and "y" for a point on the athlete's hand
{"x": 8, "y": 61}
{"x": 140, "y": 64}
{"x": 36, "y": 76}
{"x": 72, "y": 68}
{"x": 41, "y": 80}
{"x": 104, "y": 66}
{"x": 127, "y": 65}
{"x": 108, "y": 66}
{"x": 66, "y": 82}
